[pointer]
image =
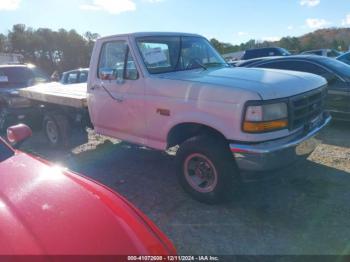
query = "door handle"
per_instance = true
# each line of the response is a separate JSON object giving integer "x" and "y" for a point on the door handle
{"x": 119, "y": 99}
{"x": 95, "y": 87}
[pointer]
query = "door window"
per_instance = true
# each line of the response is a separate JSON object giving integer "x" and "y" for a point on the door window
{"x": 72, "y": 78}
{"x": 130, "y": 69}
{"x": 83, "y": 77}
{"x": 345, "y": 59}
{"x": 296, "y": 66}
{"x": 333, "y": 80}
{"x": 117, "y": 59}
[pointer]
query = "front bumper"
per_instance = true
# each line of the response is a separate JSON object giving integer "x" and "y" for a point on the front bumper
{"x": 279, "y": 153}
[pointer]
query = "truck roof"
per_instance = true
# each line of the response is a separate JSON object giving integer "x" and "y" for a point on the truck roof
{"x": 144, "y": 34}
{"x": 77, "y": 70}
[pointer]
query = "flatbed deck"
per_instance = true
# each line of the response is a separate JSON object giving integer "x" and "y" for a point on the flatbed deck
{"x": 73, "y": 95}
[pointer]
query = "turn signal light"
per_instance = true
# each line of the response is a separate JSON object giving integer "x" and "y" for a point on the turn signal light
{"x": 260, "y": 127}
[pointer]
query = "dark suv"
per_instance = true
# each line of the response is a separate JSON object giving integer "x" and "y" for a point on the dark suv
{"x": 262, "y": 52}
{"x": 13, "y": 108}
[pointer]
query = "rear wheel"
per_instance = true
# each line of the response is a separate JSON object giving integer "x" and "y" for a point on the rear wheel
{"x": 56, "y": 128}
{"x": 206, "y": 169}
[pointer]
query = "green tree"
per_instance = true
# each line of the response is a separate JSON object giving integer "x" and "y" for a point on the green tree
{"x": 52, "y": 50}
{"x": 2, "y": 43}
{"x": 218, "y": 45}
{"x": 290, "y": 43}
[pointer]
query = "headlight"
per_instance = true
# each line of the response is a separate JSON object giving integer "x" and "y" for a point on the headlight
{"x": 265, "y": 118}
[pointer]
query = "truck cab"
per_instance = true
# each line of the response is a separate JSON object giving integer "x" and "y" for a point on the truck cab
{"x": 163, "y": 90}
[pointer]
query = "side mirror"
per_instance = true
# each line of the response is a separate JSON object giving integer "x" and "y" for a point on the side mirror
{"x": 18, "y": 134}
{"x": 107, "y": 74}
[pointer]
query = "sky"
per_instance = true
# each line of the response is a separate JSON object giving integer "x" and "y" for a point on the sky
{"x": 232, "y": 21}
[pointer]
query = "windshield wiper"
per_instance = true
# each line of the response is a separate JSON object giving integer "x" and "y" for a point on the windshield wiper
{"x": 202, "y": 66}
{"x": 216, "y": 64}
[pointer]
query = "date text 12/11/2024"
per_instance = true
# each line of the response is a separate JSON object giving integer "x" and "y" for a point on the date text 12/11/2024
{"x": 173, "y": 258}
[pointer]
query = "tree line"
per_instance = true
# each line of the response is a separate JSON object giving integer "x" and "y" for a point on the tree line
{"x": 64, "y": 50}
{"x": 334, "y": 38}
{"x": 50, "y": 50}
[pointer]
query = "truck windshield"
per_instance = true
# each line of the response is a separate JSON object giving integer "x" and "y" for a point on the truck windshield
{"x": 163, "y": 54}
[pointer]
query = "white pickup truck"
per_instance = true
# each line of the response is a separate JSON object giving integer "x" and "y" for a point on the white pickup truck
{"x": 164, "y": 90}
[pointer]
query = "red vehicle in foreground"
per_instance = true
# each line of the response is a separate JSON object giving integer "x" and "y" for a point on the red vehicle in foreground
{"x": 45, "y": 210}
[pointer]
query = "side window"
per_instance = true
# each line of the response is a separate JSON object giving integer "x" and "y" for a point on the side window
{"x": 83, "y": 77}
{"x": 262, "y": 53}
{"x": 276, "y": 65}
{"x": 130, "y": 69}
{"x": 296, "y": 66}
{"x": 310, "y": 68}
{"x": 345, "y": 58}
{"x": 254, "y": 54}
{"x": 305, "y": 67}
{"x": 63, "y": 79}
{"x": 112, "y": 59}
{"x": 72, "y": 78}
{"x": 249, "y": 54}
{"x": 117, "y": 61}
{"x": 332, "y": 53}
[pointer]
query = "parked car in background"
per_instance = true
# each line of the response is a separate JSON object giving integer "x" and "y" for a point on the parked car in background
{"x": 262, "y": 52}
{"x": 323, "y": 52}
{"x": 345, "y": 58}
{"x": 14, "y": 108}
{"x": 48, "y": 210}
{"x": 336, "y": 73}
{"x": 75, "y": 76}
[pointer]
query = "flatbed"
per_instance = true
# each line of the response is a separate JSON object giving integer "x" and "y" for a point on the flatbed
{"x": 62, "y": 109}
{"x": 55, "y": 93}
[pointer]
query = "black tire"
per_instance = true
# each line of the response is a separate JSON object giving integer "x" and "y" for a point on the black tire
{"x": 5, "y": 119}
{"x": 57, "y": 130}
{"x": 215, "y": 153}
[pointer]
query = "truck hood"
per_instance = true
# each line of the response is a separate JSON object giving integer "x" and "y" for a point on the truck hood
{"x": 268, "y": 83}
{"x": 46, "y": 210}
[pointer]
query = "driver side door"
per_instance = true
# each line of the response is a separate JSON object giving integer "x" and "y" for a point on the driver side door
{"x": 116, "y": 94}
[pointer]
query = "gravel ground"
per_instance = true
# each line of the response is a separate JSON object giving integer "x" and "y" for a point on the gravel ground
{"x": 304, "y": 210}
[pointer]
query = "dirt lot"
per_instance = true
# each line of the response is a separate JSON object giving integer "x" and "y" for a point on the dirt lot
{"x": 306, "y": 210}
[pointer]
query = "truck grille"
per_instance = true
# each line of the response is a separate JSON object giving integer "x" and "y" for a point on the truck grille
{"x": 306, "y": 107}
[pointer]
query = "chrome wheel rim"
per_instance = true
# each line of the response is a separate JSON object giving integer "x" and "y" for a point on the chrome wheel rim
{"x": 200, "y": 173}
{"x": 52, "y": 132}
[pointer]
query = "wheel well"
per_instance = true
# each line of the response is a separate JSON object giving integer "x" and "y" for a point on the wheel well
{"x": 182, "y": 132}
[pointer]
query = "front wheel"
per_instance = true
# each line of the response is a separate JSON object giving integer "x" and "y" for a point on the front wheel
{"x": 206, "y": 169}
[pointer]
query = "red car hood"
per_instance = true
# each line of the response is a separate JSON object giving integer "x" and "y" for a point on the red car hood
{"x": 44, "y": 210}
